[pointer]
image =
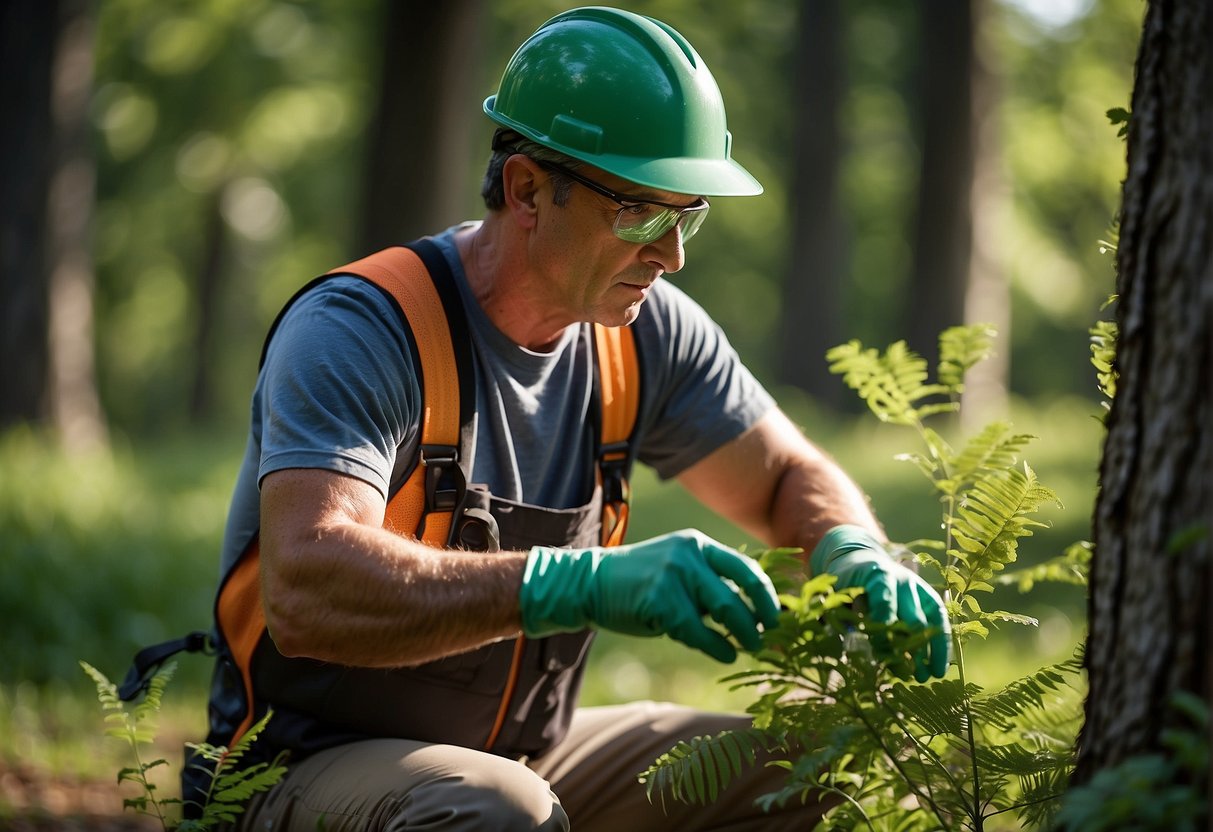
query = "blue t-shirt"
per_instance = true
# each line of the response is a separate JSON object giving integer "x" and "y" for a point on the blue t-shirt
{"x": 339, "y": 391}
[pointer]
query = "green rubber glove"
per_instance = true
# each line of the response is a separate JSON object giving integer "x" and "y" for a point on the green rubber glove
{"x": 893, "y": 592}
{"x": 666, "y": 585}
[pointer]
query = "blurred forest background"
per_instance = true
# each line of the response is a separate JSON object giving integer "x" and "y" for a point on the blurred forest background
{"x": 173, "y": 171}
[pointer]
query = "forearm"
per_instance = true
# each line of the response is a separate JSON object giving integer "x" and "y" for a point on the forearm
{"x": 360, "y": 595}
{"x": 778, "y": 486}
{"x": 813, "y": 495}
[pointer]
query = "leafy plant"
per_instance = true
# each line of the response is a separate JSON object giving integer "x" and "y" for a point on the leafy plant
{"x": 838, "y": 715}
{"x": 1150, "y": 792}
{"x": 228, "y": 788}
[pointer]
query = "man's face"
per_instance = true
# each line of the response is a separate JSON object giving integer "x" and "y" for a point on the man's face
{"x": 592, "y": 274}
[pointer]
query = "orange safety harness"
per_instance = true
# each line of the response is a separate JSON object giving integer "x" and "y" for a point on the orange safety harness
{"x": 428, "y": 503}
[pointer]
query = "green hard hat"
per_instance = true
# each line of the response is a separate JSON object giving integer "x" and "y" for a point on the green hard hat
{"x": 625, "y": 93}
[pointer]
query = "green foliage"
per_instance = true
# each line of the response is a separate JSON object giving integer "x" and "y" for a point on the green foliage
{"x": 838, "y": 715}
{"x": 237, "y": 129}
{"x": 229, "y": 787}
{"x": 1163, "y": 792}
{"x": 1071, "y": 567}
{"x": 1120, "y": 116}
{"x": 107, "y": 552}
{"x": 695, "y": 771}
{"x": 136, "y": 728}
{"x": 1103, "y": 357}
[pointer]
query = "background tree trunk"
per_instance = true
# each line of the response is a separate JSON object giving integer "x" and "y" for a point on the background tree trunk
{"x": 812, "y": 317}
{"x": 75, "y": 405}
{"x": 417, "y": 172}
{"x": 208, "y": 290}
{"x": 1150, "y": 583}
{"x": 943, "y": 220}
{"x": 47, "y": 248}
{"x": 987, "y": 292}
{"x": 27, "y": 35}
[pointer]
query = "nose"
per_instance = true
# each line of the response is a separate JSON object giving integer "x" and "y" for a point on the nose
{"x": 666, "y": 252}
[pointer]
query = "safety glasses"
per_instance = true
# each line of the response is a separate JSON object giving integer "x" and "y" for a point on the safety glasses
{"x": 643, "y": 220}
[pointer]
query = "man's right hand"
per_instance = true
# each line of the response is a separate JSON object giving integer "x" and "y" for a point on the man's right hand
{"x": 662, "y": 586}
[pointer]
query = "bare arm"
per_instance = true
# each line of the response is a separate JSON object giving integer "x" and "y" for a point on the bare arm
{"x": 778, "y": 486}
{"x": 338, "y": 587}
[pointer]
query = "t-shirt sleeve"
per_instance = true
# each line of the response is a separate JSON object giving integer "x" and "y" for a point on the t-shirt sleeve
{"x": 338, "y": 390}
{"x": 696, "y": 393}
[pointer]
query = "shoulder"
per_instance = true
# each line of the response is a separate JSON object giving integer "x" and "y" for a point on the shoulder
{"x": 337, "y": 313}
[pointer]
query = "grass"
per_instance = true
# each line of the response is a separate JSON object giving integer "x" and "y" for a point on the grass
{"x": 102, "y": 555}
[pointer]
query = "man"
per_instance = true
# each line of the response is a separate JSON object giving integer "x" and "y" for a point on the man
{"x": 386, "y": 657}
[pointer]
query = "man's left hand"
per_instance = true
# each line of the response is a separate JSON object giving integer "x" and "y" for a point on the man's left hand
{"x": 893, "y": 592}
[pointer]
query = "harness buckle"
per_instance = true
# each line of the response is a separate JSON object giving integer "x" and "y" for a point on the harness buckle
{"x": 613, "y": 463}
{"x": 445, "y": 484}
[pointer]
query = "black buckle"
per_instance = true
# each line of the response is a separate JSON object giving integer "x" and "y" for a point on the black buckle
{"x": 444, "y": 481}
{"x": 150, "y": 659}
{"x": 613, "y": 463}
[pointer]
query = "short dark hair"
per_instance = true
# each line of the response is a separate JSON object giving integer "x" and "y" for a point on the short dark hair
{"x": 505, "y": 144}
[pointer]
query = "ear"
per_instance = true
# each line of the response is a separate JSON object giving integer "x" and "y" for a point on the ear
{"x": 520, "y": 179}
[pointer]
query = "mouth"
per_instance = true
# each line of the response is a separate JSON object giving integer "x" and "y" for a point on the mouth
{"x": 640, "y": 285}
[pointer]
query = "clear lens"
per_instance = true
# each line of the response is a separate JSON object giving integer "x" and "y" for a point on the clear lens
{"x": 649, "y": 223}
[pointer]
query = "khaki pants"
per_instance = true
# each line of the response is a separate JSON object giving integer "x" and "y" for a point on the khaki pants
{"x": 587, "y": 783}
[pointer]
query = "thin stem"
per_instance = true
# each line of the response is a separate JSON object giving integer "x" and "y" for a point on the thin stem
{"x": 922, "y": 749}
{"x": 949, "y": 513}
{"x": 148, "y": 788}
{"x": 927, "y": 799}
{"x": 841, "y": 793}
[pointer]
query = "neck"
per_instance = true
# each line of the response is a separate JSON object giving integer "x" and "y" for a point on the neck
{"x": 506, "y": 287}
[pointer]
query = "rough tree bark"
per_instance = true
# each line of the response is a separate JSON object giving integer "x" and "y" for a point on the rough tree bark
{"x": 1150, "y": 598}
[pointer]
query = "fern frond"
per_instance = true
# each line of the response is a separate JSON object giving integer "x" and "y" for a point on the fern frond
{"x": 1020, "y": 761}
{"x": 994, "y": 448}
{"x": 242, "y": 785}
{"x": 695, "y": 770}
{"x": 107, "y": 691}
{"x": 1071, "y": 567}
{"x": 937, "y": 708}
{"x": 993, "y": 516}
{"x": 1040, "y": 797}
{"x": 1103, "y": 356}
{"x": 961, "y": 347}
{"x": 1003, "y": 708}
{"x": 890, "y": 384}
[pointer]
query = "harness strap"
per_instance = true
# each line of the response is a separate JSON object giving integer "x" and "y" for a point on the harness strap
{"x": 422, "y": 499}
{"x": 432, "y": 494}
{"x": 619, "y": 394}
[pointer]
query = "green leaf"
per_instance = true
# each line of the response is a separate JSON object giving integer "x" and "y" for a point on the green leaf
{"x": 961, "y": 347}
{"x": 695, "y": 770}
{"x": 1121, "y": 116}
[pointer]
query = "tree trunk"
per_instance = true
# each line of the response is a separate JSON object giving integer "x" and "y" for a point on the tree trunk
{"x": 75, "y": 406}
{"x": 207, "y": 293}
{"x": 27, "y": 38}
{"x": 47, "y": 193}
{"x": 1150, "y": 582}
{"x": 943, "y": 228}
{"x": 812, "y": 311}
{"x": 987, "y": 293}
{"x": 417, "y": 172}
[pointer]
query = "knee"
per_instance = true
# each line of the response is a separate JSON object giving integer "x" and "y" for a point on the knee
{"x": 503, "y": 795}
